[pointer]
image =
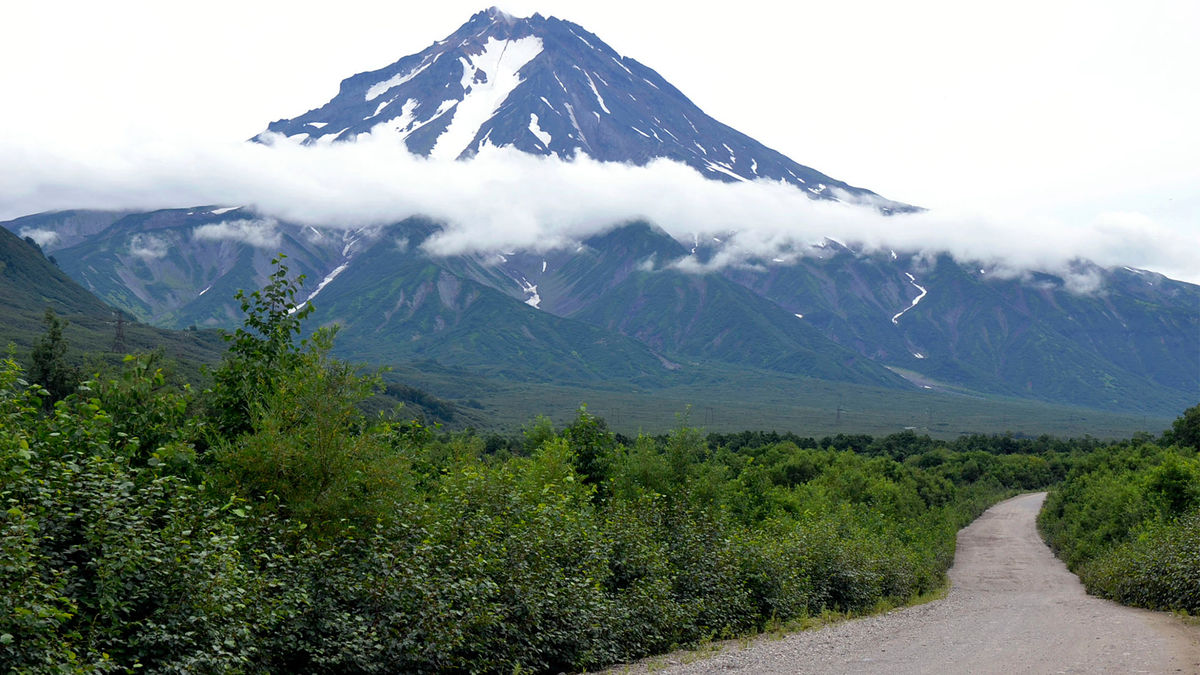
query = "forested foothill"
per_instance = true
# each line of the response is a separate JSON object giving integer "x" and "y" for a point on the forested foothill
{"x": 266, "y": 523}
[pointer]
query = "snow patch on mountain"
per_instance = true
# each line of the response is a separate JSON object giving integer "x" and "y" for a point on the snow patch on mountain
{"x": 325, "y": 282}
{"x": 575, "y": 122}
{"x": 596, "y": 92}
{"x": 380, "y": 88}
{"x": 380, "y": 107}
{"x": 534, "y": 300}
{"x": 912, "y": 280}
{"x": 581, "y": 39}
{"x": 404, "y": 123}
{"x": 487, "y": 80}
{"x": 721, "y": 168}
{"x": 536, "y": 129}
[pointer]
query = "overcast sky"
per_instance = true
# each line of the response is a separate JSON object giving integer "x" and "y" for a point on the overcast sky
{"x": 1073, "y": 113}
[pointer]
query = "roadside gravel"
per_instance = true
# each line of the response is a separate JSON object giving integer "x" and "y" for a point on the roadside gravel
{"x": 1012, "y": 608}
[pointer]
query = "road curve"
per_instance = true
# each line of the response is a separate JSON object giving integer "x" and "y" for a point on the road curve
{"x": 1012, "y": 608}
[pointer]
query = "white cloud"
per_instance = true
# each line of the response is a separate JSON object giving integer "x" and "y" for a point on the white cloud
{"x": 42, "y": 237}
{"x": 505, "y": 200}
{"x": 259, "y": 233}
{"x": 147, "y": 247}
{"x": 646, "y": 265}
{"x": 1083, "y": 282}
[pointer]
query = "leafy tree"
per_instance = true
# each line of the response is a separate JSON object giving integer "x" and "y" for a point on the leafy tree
{"x": 309, "y": 449}
{"x": 259, "y": 352}
{"x": 151, "y": 424}
{"x": 537, "y": 433}
{"x": 49, "y": 362}
{"x": 1186, "y": 429}
{"x": 1175, "y": 484}
{"x": 592, "y": 444}
{"x": 290, "y": 433}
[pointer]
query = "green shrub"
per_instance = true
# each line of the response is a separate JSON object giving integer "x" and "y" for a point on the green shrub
{"x": 1158, "y": 569}
{"x": 1127, "y": 522}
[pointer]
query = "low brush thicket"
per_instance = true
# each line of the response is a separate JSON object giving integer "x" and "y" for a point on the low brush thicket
{"x": 1128, "y": 521}
{"x": 267, "y": 525}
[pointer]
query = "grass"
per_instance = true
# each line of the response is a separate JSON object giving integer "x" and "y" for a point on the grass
{"x": 729, "y": 399}
{"x": 1186, "y": 618}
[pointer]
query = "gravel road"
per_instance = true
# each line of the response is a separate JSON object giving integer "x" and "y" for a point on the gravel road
{"x": 1012, "y": 608}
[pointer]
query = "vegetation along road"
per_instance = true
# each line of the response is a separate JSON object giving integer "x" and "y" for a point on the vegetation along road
{"x": 1012, "y": 608}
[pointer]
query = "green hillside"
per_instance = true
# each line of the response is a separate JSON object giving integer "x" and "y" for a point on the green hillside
{"x": 422, "y": 311}
{"x": 29, "y": 284}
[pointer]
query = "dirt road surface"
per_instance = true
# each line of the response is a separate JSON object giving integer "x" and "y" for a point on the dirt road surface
{"x": 1012, "y": 608}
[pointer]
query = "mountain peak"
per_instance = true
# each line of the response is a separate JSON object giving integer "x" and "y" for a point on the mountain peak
{"x": 545, "y": 86}
{"x": 494, "y": 22}
{"x": 496, "y": 14}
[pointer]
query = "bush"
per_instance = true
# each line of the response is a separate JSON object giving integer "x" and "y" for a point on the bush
{"x": 1158, "y": 569}
{"x": 1127, "y": 522}
{"x": 109, "y": 565}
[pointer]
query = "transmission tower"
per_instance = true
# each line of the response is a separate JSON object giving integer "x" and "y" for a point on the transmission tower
{"x": 119, "y": 338}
